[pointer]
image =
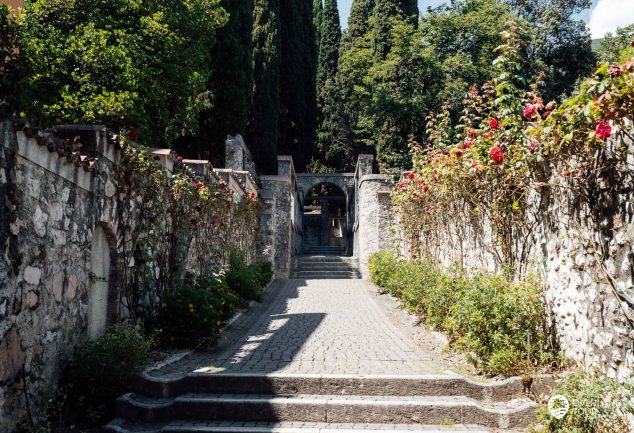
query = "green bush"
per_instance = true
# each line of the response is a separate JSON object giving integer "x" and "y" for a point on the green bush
{"x": 500, "y": 324}
{"x": 263, "y": 273}
{"x": 243, "y": 279}
{"x": 597, "y": 405}
{"x": 193, "y": 313}
{"x": 101, "y": 370}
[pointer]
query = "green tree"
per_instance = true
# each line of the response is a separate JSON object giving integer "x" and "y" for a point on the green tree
{"x": 263, "y": 129}
{"x": 318, "y": 9}
{"x": 124, "y": 63}
{"x": 298, "y": 119}
{"x": 618, "y": 47}
{"x": 359, "y": 19}
{"x": 561, "y": 44}
{"x": 386, "y": 14}
{"x": 329, "y": 46}
{"x": 231, "y": 84}
{"x": 463, "y": 35}
{"x": 8, "y": 62}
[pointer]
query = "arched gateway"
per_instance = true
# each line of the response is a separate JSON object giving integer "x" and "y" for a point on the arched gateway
{"x": 344, "y": 214}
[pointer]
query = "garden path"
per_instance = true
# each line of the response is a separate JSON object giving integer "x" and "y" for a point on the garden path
{"x": 313, "y": 327}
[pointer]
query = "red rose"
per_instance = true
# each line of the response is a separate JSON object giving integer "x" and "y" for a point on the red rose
{"x": 459, "y": 153}
{"x": 614, "y": 71}
{"x": 410, "y": 175}
{"x": 496, "y": 155}
{"x": 426, "y": 188}
{"x": 494, "y": 123}
{"x": 529, "y": 111}
{"x": 468, "y": 144}
{"x": 133, "y": 135}
{"x": 199, "y": 185}
{"x": 603, "y": 130}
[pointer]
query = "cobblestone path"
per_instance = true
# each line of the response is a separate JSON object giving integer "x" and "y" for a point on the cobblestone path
{"x": 313, "y": 327}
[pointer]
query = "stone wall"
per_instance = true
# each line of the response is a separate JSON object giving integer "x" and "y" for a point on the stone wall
{"x": 583, "y": 249}
{"x": 66, "y": 213}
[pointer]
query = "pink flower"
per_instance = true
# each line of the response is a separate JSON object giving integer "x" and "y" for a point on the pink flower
{"x": 494, "y": 123}
{"x": 421, "y": 181}
{"x": 529, "y": 111}
{"x": 497, "y": 155}
{"x": 133, "y": 135}
{"x": 533, "y": 147}
{"x": 468, "y": 144}
{"x": 179, "y": 159}
{"x": 615, "y": 71}
{"x": 252, "y": 195}
{"x": 603, "y": 130}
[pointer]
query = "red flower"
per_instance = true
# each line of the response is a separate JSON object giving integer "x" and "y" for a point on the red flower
{"x": 199, "y": 185}
{"x": 410, "y": 175}
{"x": 468, "y": 144}
{"x": 473, "y": 133}
{"x": 252, "y": 195}
{"x": 529, "y": 111}
{"x": 459, "y": 153}
{"x": 403, "y": 186}
{"x": 494, "y": 123}
{"x": 421, "y": 181}
{"x": 615, "y": 71}
{"x": 603, "y": 130}
{"x": 474, "y": 164}
{"x": 497, "y": 155}
{"x": 179, "y": 159}
{"x": 488, "y": 135}
{"x": 133, "y": 135}
{"x": 426, "y": 188}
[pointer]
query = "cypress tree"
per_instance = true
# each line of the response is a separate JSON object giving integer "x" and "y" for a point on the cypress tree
{"x": 385, "y": 12}
{"x": 359, "y": 20}
{"x": 317, "y": 13}
{"x": 298, "y": 118}
{"x": 231, "y": 85}
{"x": 329, "y": 47}
{"x": 263, "y": 129}
{"x": 327, "y": 92}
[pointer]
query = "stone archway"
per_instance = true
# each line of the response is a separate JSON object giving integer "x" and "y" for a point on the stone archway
{"x": 328, "y": 215}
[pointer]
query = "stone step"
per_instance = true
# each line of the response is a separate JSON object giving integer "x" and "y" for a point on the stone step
{"x": 326, "y": 408}
{"x": 316, "y": 266}
{"x": 120, "y": 426}
{"x": 449, "y": 384}
{"x": 301, "y": 275}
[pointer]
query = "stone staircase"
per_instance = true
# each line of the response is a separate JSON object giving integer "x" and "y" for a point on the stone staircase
{"x": 325, "y": 267}
{"x": 278, "y": 403}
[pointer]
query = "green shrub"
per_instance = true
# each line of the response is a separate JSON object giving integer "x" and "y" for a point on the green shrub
{"x": 382, "y": 266}
{"x": 101, "y": 370}
{"x": 193, "y": 313}
{"x": 242, "y": 279}
{"x": 263, "y": 273}
{"x": 500, "y": 324}
{"x": 597, "y": 405}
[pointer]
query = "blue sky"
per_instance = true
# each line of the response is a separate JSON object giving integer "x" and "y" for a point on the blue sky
{"x": 602, "y": 18}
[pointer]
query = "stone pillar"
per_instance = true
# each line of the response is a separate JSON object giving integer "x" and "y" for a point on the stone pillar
{"x": 364, "y": 165}
{"x": 373, "y": 217}
{"x": 324, "y": 226}
{"x": 235, "y": 152}
{"x": 285, "y": 166}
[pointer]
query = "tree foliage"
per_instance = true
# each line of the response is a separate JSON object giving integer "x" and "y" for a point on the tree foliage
{"x": 125, "y": 63}
{"x": 231, "y": 85}
{"x": 618, "y": 47}
{"x": 298, "y": 117}
{"x": 8, "y": 61}
{"x": 561, "y": 45}
{"x": 263, "y": 128}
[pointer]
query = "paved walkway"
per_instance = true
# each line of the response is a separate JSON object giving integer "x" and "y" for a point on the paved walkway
{"x": 314, "y": 327}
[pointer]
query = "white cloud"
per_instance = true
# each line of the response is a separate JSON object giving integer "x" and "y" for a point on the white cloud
{"x": 610, "y": 14}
